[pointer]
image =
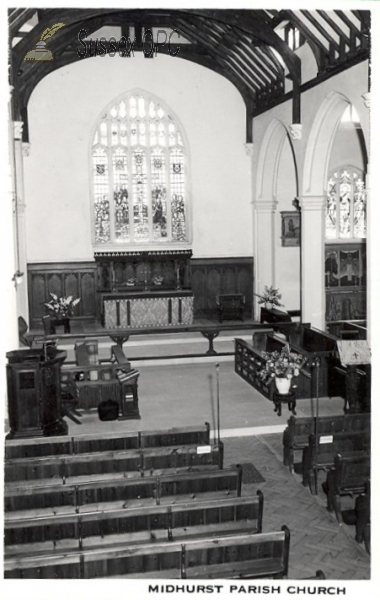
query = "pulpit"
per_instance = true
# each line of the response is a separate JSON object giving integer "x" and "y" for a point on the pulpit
{"x": 34, "y": 392}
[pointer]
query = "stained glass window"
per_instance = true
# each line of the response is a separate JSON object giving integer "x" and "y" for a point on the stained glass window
{"x": 139, "y": 174}
{"x": 346, "y": 205}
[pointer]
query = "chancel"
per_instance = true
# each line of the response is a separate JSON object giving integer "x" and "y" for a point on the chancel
{"x": 187, "y": 363}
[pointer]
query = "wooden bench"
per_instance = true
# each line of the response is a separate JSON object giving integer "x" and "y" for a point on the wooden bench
{"x": 354, "y": 384}
{"x": 322, "y": 449}
{"x": 264, "y": 555}
{"x": 133, "y": 525}
{"x": 363, "y": 517}
{"x": 348, "y": 477}
{"x": 296, "y": 435}
{"x": 74, "y": 445}
{"x": 68, "y": 467}
{"x": 122, "y": 492}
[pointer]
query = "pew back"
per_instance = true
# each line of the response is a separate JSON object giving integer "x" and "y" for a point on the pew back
{"x": 199, "y": 434}
{"x": 262, "y": 555}
{"x": 350, "y": 474}
{"x": 296, "y": 435}
{"x": 221, "y": 516}
{"x": 67, "y": 467}
{"x": 115, "y": 493}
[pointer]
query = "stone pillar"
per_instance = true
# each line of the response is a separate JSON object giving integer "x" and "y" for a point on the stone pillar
{"x": 20, "y": 150}
{"x": 371, "y": 238}
{"x": 249, "y": 150}
{"x": 264, "y": 221}
{"x": 313, "y": 260}
{"x": 8, "y": 296}
{"x": 372, "y": 243}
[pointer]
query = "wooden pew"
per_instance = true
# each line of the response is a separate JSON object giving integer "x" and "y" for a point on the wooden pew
{"x": 69, "y": 468}
{"x": 363, "y": 517}
{"x": 264, "y": 555}
{"x": 322, "y": 449}
{"x": 133, "y": 525}
{"x": 348, "y": 477}
{"x": 177, "y": 436}
{"x": 123, "y": 492}
{"x": 296, "y": 435}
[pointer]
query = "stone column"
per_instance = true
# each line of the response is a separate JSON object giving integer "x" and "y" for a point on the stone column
{"x": 249, "y": 150}
{"x": 9, "y": 328}
{"x": 20, "y": 150}
{"x": 264, "y": 219}
{"x": 371, "y": 239}
{"x": 313, "y": 260}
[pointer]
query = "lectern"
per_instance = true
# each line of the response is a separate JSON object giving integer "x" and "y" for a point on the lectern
{"x": 34, "y": 392}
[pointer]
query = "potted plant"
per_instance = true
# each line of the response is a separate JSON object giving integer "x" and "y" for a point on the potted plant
{"x": 158, "y": 279}
{"x": 270, "y": 297}
{"x": 62, "y": 309}
{"x": 282, "y": 367}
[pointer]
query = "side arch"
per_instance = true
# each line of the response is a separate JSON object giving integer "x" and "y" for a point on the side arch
{"x": 269, "y": 159}
{"x": 319, "y": 144}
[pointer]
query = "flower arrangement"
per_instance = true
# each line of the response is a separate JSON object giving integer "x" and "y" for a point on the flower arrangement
{"x": 270, "y": 295}
{"x": 158, "y": 279}
{"x": 281, "y": 364}
{"x": 62, "y": 306}
{"x": 131, "y": 281}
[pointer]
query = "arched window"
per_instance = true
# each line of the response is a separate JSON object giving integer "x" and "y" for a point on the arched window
{"x": 346, "y": 205}
{"x": 139, "y": 175}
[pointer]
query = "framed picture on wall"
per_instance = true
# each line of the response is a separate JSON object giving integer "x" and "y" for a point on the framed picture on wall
{"x": 290, "y": 228}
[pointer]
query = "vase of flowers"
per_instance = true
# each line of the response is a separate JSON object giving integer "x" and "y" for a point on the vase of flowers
{"x": 270, "y": 297}
{"x": 282, "y": 367}
{"x": 158, "y": 279}
{"x": 62, "y": 309}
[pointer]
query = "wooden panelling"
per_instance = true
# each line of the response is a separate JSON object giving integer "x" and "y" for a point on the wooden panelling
{"x": 213, "y": 276}
{"x": 209, "y": 277}
{"x": 63, "y": 279}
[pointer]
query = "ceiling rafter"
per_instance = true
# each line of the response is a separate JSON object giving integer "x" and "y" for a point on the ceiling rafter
{"x": 334, "y": 26}
{"x": 194, "y": 31}
{"x": 233, "y": 45}
{"x": 18, "y": 18}
{"x": 241, "y": 45}
{"x": 350, "y": 24}
{"x": 321, "y": 29}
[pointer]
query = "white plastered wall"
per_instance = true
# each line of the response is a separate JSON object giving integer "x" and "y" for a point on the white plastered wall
{"x": 62, "y": 112}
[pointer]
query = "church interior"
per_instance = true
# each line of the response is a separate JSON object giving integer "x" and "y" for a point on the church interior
{"x": 187, "y": 353}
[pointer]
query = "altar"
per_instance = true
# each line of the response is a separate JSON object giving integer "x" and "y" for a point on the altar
{"x": 148, "y": 309}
